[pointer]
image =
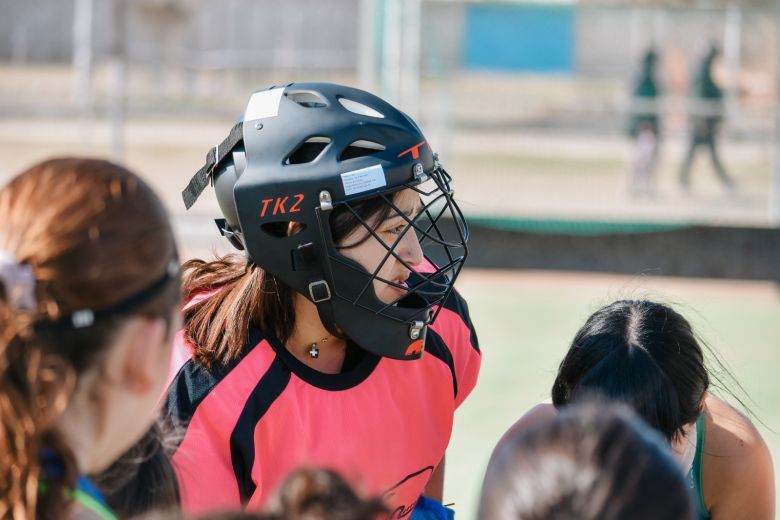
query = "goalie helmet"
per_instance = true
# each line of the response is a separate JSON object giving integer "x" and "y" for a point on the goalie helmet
{"x": 306, "y": 152}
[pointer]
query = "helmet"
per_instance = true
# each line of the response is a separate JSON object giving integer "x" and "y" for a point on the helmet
{"x": 306, "y": 152}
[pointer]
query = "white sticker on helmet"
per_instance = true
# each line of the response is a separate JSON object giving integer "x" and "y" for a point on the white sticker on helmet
{"x": 365, "y": 179}
{"x": 264, "y": 104}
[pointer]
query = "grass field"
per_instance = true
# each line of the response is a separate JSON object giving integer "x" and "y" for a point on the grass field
{"x": 525, "y": 321}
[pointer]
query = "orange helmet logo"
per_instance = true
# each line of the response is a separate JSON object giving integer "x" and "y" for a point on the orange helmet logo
{"x": 414, "y": 150}
{"x": 415, "y": 348}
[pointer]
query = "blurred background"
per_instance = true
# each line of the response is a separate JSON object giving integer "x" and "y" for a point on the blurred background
{"x": 533, "y": 107}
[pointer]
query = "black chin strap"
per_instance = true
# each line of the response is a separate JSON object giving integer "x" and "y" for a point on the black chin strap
{"x": 215, "y": 156}
{"x": 325, "y": 310}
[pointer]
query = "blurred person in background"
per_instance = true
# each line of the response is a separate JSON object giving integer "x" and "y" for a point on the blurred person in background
{"x": 311, "y": 494}
{"x": 646, "y": 355}
{"x": 89, "y": 297}
{"x": 317, "y": 346}
{"x": 644, "y": 128}
{"x": 704, "y": 126}
{"x": 591, "y": 461}
{"x": 319, "y": 494}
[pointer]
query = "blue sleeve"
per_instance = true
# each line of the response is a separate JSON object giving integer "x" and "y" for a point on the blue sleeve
{"x": 430, "y": 509}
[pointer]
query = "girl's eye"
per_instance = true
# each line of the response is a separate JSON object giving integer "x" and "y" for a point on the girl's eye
{"x": 397, "y": 229}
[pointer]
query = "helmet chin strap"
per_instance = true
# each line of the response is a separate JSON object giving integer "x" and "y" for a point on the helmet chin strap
{"x": 325, "y": 311}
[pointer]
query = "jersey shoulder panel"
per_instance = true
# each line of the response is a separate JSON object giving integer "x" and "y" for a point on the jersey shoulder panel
{"x": 212, "y": 410}
{"x": 454, "y": 332}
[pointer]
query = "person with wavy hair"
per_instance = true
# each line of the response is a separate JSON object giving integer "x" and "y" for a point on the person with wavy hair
{"x": 89, "y": 296}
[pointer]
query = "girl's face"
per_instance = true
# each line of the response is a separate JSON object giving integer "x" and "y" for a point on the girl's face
{"x": 371, "y": 253}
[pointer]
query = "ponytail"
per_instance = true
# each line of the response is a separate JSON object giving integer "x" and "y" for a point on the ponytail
{"x": 34, "y": 390}
{"x": 227, "y": 296}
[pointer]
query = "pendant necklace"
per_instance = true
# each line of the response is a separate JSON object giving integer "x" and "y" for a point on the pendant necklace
{"x": 314, "y": 351}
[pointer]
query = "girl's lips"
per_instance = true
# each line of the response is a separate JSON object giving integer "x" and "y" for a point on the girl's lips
{"x": 401, "y": 287}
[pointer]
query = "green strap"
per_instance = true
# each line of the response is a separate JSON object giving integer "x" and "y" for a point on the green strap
{"x": 93, "y": 505}
{"x": 86, "y": 500}
{"x": 697, "y": 464}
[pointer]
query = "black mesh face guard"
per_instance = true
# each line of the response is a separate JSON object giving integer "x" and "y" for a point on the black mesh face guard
{"x": 442, "y": 233}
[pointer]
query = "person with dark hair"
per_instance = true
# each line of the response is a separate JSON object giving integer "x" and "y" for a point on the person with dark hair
{"x": 592, "y": 461}
{"x": 142, "y": 480}
{"x": 89, "y": 297}
{"x": 646, "y": 355}
{"x": 336, "y": 340}
{"x": 704, "y": 126}
{"x": 644, "y": 127}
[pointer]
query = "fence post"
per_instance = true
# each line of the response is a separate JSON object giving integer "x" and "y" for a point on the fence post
{"x": 116, "y": 66}
{"x": 774, "y": 180}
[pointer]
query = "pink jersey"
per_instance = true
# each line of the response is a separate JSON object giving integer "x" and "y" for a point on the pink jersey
{"x": 383, "y": 424}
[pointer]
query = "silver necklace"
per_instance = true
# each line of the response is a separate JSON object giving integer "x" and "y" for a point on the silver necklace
{"x": 314, "y": 351}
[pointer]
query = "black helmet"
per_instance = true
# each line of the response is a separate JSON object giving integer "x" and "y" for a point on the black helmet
{"x": 305, "y": 151}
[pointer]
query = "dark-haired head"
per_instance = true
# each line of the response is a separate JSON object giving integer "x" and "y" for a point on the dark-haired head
{"x": 591, "y": 461}
{"x": 142, "y": 480}
{"x": 642, "y": 353}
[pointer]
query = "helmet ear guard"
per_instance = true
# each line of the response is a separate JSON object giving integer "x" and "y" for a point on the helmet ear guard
{"x": 281, "y": 178}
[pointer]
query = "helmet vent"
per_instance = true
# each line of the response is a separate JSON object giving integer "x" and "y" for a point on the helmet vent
{"x": 360, "y": 148}
{"x": 308, "y": 151}
{"x": 283, "y": 229}
{"x": 359, "y": 108}
{"x": 307, "y": 99}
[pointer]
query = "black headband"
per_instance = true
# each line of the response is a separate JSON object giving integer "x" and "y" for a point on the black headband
{"x": 84, "y": 318}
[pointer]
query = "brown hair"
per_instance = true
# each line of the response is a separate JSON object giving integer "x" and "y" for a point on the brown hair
{"x": 244, "y": 294}
{"x": 93, "y": 235}
{"x": 312, "y": 494}
{"x": 320, "y": 494}
{"x": 591, "y": 461}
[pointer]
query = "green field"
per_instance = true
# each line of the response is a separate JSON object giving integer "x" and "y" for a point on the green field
{"x": 525, "y": 321}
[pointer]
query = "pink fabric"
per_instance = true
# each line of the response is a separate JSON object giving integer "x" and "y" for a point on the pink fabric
{"x": 426, "y": 266}
{"x": 450, "y": 326}
{"x": 181, "y": 352}
{"x": 384, "y": 435}
{"x": 202, "y": 460}
{"x": 375, "y": 441}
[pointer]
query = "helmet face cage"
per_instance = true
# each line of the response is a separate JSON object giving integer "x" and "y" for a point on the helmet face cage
{"x": 444, "y": 248}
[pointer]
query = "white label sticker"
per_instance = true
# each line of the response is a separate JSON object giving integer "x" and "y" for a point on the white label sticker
{"x": 364, "y": 179}
{"x": 264, "y": 104}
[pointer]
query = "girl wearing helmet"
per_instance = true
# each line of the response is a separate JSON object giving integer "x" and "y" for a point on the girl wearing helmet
{"x": 308, "y": 350}
{"x": 646, "y": 354}
{"x": 89, "y": 290}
